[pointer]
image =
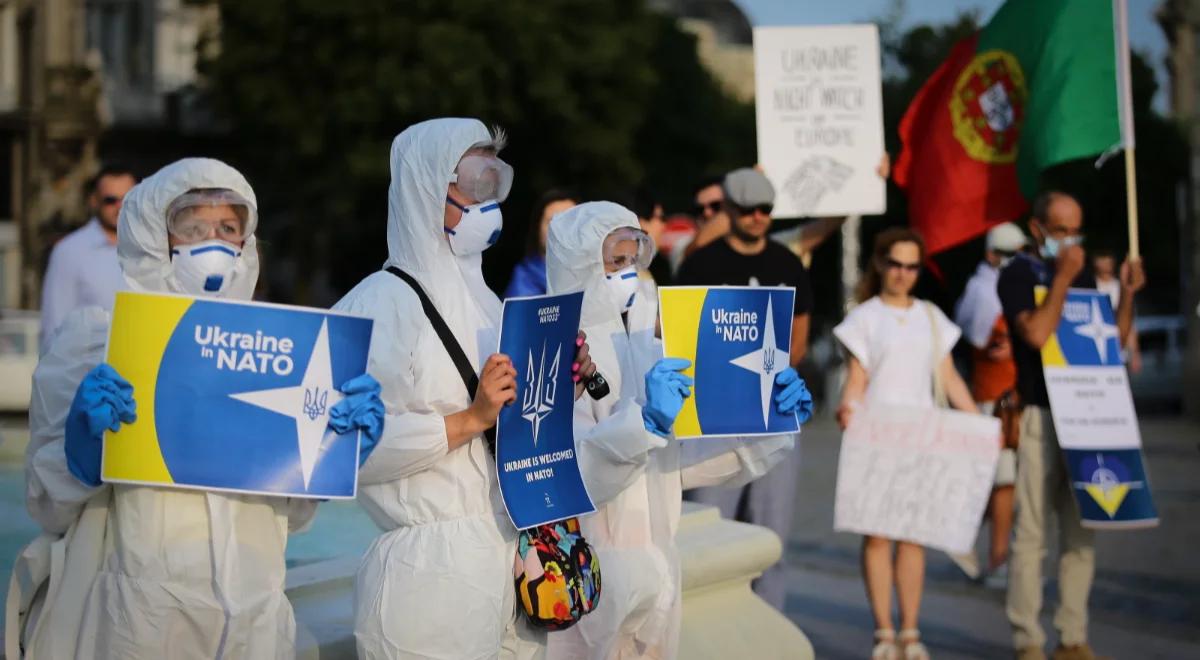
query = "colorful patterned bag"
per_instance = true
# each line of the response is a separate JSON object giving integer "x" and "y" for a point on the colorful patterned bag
{"x": 556, "y": 574}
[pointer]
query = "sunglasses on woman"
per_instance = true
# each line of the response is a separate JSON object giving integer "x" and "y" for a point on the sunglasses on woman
{"x": 711, "y": 207}
{"x": 908, "y": 268}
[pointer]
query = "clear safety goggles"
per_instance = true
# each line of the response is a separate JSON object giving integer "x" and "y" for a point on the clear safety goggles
{"x": 186, "y": 222}
{"x": 625, "y": 247}
{"x": 483, "y": 178}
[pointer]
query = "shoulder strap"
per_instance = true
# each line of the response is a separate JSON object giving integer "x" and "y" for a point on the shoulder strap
{"x": 457, "y": 354}
{"x": 939, "y": 388}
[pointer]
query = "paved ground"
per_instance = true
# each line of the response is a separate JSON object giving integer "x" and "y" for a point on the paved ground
{"x": 1145, "y": 601}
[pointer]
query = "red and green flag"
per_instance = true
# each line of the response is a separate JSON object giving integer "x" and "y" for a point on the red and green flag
{"x": 1035, "y": 87}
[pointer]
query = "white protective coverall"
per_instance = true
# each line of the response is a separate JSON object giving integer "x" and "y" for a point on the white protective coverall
{"x": 439, "y": 582}
{"x": 634, "y": 533}
{"x": 139, "y": 572}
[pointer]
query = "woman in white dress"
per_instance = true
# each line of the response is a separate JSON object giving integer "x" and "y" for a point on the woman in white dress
{"x": 890, "y": 339}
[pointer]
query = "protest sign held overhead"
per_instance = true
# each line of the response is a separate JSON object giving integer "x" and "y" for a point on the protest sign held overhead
{"x": 820, "y": 118}
{"x": 1094, "y": 416}
{"x": 234, "y": 396}
{"x": 535, "y": 440}
{"x": 738, "y": 340}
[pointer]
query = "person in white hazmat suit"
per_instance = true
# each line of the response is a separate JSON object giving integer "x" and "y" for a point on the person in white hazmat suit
{"x": 438, "y": 583}
{"x": 599, "y": 248}
{"x": 144, "y": 572}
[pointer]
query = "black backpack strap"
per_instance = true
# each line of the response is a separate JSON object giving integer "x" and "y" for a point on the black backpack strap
{"x": 457, "y": 354}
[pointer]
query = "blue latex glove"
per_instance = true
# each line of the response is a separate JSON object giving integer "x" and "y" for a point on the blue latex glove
{"x": 666, "y": 390}
{"x": 795, "y": 397}
{"x": 362, "y": 409}
{"x": 104, "y": 400}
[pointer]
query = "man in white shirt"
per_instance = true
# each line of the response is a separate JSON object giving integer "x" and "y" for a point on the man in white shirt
{"x": 83, "y": 269}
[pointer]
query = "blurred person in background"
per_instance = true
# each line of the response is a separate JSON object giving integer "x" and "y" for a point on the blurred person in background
{"x": 893, "y": 343}
{"x": 1043, "y": 488}
{"x": 529, "y": 275}
{"x": 83, "y": 270}
{"x": 1104, "y": 266}
{"x": 993, "y": 373}
{"x": 711, "y": 221}
{"x": 745, "y": 257}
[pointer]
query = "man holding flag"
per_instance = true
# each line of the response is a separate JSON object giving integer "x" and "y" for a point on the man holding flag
{"x": 1043, "y": 485}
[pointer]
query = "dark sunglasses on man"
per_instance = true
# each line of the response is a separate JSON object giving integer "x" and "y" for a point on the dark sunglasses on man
{"x": 109, "y": 200}
{"x": 765, "y": 209}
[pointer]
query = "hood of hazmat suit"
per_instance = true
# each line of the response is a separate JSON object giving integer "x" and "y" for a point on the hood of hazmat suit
{"x": 634, "y": 530}
{"x": 438, "y": 582}
{"x": 163, "y": 572}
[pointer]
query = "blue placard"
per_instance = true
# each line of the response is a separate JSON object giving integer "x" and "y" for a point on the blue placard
{"x": 234, "y": 396}
{"x": 738, "y": 340}
{"x": 1094, "y": 416}
{"x": 535, "y": 443}
{"x": 1111, "y": 488}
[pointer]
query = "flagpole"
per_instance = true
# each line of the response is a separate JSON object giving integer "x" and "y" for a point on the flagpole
{"x": 1125, "y": 106}
{"x": 1131, "y": 204}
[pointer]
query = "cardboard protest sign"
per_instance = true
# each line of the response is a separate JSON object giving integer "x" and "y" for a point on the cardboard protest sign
{"x": 738, "y": 339}
{"x": 819, "y": 110}
{"x": 916, "y": 474}
{"x": 234, "y": 396}
{"x": 535, "y": 443}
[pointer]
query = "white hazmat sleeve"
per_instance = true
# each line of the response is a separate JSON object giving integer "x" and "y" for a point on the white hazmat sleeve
{"x": 53, "y": 495}
{"x": 731, "y": 462}
{"x": 612, "y": 453}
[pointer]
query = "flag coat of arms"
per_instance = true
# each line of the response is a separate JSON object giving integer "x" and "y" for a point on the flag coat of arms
{"x": 234, "y": 396}
{"x": 738, "y": 339}
{"x": 1035, "y": 87}
{"x": 1094, "y": 416}
{"x": 536, "y": 464}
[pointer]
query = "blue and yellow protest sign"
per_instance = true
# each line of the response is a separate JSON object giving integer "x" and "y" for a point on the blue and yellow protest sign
{"x": 234, "y": 396}
{"x": 738, "y": 340}
{"x": 535, "y": 439}
{"x": 1094, "y": 416}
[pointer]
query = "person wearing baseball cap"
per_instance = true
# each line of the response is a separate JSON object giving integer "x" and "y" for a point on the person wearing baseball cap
{"x": 746, "y": 256}
{"x": 993, "y": 374}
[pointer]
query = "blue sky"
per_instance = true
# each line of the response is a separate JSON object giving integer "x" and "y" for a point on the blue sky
{"x": 1144, "y": 33}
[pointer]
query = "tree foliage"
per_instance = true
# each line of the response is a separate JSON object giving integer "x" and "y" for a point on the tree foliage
{"x": 315, "y": 90}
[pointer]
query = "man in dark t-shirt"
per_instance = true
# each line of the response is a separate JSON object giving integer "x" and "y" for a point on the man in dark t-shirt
{"x": 1056, "y": 223}
{"x": 746, "y": 257}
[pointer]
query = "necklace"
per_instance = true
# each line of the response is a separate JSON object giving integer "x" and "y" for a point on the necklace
{"x": 899, "y": 314}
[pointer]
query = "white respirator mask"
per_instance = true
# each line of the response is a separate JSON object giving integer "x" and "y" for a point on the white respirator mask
{"x": 623, "y": 285}
{"x": 205, "y": 268}
{"x": 478, "y": 230}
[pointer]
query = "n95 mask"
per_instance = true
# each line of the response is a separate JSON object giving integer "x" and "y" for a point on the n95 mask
{"x": 478, "y": 230}
{"x": 205, "y": 268}
{"x": 623, "y": 285}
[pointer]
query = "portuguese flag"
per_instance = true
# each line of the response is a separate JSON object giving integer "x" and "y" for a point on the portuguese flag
{"x": 1035, "y": 87}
